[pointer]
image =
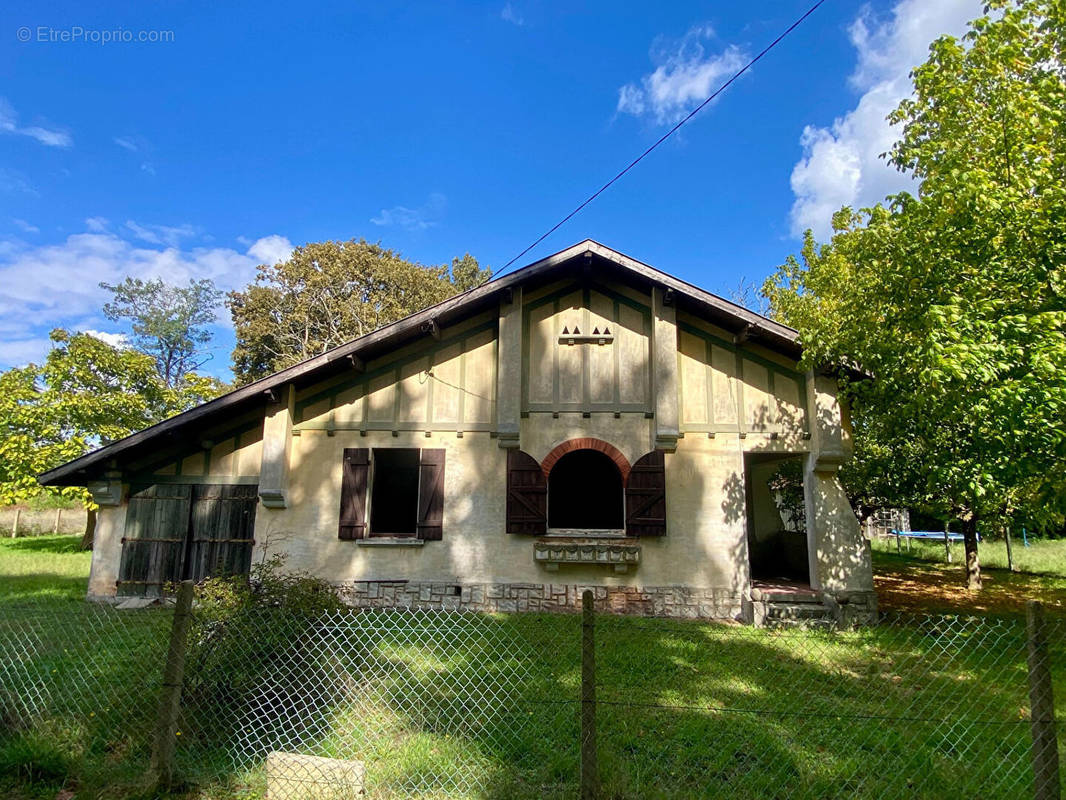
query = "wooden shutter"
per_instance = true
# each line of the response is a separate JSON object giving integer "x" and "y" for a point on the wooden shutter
{"x": 646, "y": 496}
{"x": 356, "y": 467}
{"x": 430, "y": 520}
{"x": 220, "y": 534}
{"x": 153, "y": 544}
{"x": 527, "y": 494}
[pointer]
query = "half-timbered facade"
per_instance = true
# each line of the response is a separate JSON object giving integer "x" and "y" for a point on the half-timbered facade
{"x": 586, "y": 421}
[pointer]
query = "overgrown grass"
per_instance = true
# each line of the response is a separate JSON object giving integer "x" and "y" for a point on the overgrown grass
{"x": 928, "y": 709}
{"x": 1041, "y": 557}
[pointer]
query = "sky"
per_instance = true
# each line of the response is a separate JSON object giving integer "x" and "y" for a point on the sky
{"x": 192, "y": 140}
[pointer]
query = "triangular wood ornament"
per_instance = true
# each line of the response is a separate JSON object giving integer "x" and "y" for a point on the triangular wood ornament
{"x": 596, "y": 331}
{"x": 565, "y": 330}
{"x": 576, "y": 331}
{"x": 606, "y": 331}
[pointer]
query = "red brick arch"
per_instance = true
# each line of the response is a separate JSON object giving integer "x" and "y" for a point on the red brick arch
{"x": 587, "y": 443}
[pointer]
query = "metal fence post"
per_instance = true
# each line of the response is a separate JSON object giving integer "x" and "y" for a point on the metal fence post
{"x": 590, "y": 773}
{"x": 162, "y": 765}
{"x": 1041, "y": 708}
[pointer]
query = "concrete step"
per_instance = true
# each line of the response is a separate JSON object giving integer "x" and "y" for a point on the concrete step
{"x": 797, "y": 611}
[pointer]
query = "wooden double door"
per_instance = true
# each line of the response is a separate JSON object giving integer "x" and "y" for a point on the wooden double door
{"x": 184, "y": 531}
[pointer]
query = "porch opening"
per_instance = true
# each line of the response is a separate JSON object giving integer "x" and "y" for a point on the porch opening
{"x": 585, "y": 492}
{"x": 777, "y": 526}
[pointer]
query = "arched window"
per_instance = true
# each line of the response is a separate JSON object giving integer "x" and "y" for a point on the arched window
{"x": 585, "y": 491}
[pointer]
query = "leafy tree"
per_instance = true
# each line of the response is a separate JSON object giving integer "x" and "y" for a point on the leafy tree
{"x": 953, "y": 300}
{"x": 169, "y": 322}
{"x": 86, "y": 394}
{"x": 328, "y": 293}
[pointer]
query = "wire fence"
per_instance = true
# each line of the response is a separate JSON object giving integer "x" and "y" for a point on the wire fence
{"x": 406, "y": 703}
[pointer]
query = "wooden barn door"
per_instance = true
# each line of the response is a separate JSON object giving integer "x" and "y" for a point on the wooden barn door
{"x": 220, "y": 533}
{"x": 153, "y": 549}
{"x": 179, "y": 531}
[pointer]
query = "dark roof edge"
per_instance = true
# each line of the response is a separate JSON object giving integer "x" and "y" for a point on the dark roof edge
{"x": 759, "y": 325}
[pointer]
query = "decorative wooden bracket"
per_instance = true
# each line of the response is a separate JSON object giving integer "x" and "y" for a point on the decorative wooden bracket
{"x": 431, "y": 328}
{"x": 357, "y": 363}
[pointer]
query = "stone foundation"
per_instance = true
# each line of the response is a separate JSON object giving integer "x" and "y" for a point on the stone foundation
{"x": 646, "y": 601}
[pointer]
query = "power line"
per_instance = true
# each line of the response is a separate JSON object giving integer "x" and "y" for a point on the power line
{"x": 666, "y": 135}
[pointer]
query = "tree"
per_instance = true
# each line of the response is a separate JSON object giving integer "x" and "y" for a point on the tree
{"x": 953, "y": 300}
{"x": 328, "y": 293}
{"x": 86, "y": 394}
{"x": 169, "y": 322}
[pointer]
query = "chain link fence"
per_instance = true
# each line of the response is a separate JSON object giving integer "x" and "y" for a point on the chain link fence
{"x": 414, "y": 703}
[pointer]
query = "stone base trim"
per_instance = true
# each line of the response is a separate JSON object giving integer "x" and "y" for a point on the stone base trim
{"x": 644, "y": 601}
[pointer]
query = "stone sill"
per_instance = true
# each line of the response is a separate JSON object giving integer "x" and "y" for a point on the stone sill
{"x": 389, "y": 541}
{"x": 619, "y": 556}
{"x": 585, "y": 533}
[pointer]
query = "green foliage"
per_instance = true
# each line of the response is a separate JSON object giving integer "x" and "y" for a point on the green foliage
{"x": 328, "y": 293}
{"x": 87, "y": 393}
{"x": 169, "y": 322}
{"x": 953, "y": 300}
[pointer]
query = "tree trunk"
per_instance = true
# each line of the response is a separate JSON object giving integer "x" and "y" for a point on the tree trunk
{"x": 973, "y": 564}
{"x": 90, "y": 529}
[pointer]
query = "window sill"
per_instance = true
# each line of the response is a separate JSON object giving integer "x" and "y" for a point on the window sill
{"x": 387, "y": 541}
{"x": 586, "y": 533}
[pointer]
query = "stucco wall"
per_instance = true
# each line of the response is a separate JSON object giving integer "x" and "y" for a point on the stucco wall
{"x": 442, "y": 393}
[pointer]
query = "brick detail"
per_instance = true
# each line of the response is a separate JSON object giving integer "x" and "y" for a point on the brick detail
{"x": 645, "y": 601}
{"x": 587, "y": 443}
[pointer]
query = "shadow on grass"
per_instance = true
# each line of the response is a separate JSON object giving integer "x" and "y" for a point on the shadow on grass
{"x": 486, "y": 706}
{"x": 56, "y": 545}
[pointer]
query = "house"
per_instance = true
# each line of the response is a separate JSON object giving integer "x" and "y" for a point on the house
{"x": 586, "y": 421}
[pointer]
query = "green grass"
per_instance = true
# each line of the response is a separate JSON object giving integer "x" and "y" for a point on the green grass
{"x": 1042, "y": 557}
{"x": 687, "y": 709}
{"x": 43, "y": 569}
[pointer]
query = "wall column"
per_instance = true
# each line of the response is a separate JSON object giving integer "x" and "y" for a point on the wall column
{"x": 277, "y": 445}
{"x": 509, "y": 370}
{"x": 664, "y": 369}
{"x": 839, "y": 553}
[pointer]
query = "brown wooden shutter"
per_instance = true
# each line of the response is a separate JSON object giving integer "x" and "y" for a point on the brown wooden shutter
{"x": 223, "y": 524}
{"x": 646, "y": 496}
{"x": 356, "y": 467}
{"x": 430, "y": 522}
{"x": 153, "y": 544}
{"x": 527, "y": 494}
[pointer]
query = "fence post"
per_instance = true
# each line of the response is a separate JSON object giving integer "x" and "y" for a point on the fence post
{"x": 162, "y": 765}
{"x": 59, "y": 518}
{"x": 1041, "y": 708}
{"x": 590, "y": 772}
{"x": 947, "y": 542}
{"x": 1010, "y": 550}
{"x": 15, "y": 526}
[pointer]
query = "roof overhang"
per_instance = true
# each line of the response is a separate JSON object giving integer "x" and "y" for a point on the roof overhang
{"x": 599, "y": 259}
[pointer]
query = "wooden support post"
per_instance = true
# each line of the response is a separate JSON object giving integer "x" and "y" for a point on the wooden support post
{"x": 947, "y": 542}
{"x": 162, "y": 764}
{"x": 1041, "y": 708}
{"x": 15, "y": 525}
{"x": 899, "y": 550}
{"x": 590, "y": 773}
{"x": 1010, "y": 550}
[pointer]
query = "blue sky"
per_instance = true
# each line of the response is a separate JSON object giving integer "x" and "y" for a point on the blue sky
{"x": 436, "y": 128}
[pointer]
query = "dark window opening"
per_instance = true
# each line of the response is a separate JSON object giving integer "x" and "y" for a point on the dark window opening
{"x": 777, "y": 528}
{"x": 394, "y": 494}
{"x": 585, "y": 491}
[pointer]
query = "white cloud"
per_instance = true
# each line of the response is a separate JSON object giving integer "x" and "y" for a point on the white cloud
{"x": 46, "y": 136}
{"x": 413, "y": 219}
{"x": 512, "y": 15}
{"x": 161, "y": 234}
{"x": 842, "y": 163}
{"x": 25, "y": 227}
{"x": 57, "y": 285}
{"x": 126, "y": 143}
{"x": 14, "y": 182}
{"x": 270, "y": 249}
{"x": 113, "y": 339}
{"x": 684, "y": 77}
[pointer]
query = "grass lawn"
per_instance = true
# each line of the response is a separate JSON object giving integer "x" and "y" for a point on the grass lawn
{"x": 485, "y": 705}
